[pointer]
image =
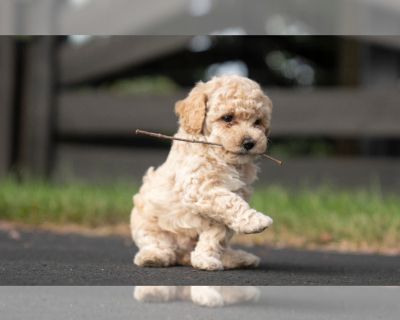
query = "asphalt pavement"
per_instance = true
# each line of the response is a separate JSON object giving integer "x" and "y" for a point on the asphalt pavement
{"x": 45, "y": 258}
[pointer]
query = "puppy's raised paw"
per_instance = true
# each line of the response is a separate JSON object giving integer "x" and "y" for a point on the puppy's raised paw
{"x": 252, "y": 221}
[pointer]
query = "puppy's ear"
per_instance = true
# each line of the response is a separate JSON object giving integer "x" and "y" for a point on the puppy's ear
{"x": 192, "y": 111}
{"x": 268, "y": 112}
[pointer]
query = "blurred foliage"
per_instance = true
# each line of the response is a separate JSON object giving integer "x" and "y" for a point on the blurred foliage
{"x": 301, "y": 146}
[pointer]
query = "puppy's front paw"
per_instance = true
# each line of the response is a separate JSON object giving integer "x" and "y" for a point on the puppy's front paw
{"x": 251, "y": 221}
{"x": 205, "y": 262}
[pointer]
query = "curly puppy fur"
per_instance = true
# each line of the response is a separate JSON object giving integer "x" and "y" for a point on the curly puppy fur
{"x": 187, "y": 209}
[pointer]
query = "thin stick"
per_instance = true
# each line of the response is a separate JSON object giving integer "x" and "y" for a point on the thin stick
{"x": 163, "y": 136}
{"x": 277, "y": 161}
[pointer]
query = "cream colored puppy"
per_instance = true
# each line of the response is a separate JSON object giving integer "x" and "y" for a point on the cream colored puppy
{"x": 187, "y": 209}
{"x": 207, "y": 296}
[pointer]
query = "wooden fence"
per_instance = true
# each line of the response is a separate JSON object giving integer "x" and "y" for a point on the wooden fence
{"x": 328, "y": 113}
{"x": 69, "y": 134}
{"x": 7, "y": 71}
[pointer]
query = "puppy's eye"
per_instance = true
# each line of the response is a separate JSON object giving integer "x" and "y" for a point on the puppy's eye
{"x": 227, "y": 118}
{"x": 257, "y": 122}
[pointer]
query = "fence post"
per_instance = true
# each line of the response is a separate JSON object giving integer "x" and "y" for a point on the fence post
{"x": 7, "y": 67}
{"x": 38, "y": 106}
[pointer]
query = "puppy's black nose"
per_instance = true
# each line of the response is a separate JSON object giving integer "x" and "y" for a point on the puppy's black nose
{"x": 248, "y": 144}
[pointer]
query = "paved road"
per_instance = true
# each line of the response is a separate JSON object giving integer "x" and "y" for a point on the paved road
{"x": 44, "y": 258}
{"x": 276, "y": 303}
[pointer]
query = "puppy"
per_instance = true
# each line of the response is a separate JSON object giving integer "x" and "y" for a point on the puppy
{"x": 207, "y": 296}
{"x": 187, "y": 209}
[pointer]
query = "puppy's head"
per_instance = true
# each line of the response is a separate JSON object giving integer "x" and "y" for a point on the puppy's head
{"x": 230, "y": 110}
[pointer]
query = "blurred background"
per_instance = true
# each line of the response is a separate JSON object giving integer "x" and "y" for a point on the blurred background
{"x": 70, "y": 105}
{"x": 180, "y": 17}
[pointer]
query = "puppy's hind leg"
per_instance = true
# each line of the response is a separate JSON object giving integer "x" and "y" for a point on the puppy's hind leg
{"x": 233, "y": 259}
{"x": 156, "y": 251}
{"x": 156, "y": 247}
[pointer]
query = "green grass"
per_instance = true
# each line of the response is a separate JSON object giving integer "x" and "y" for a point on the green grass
{"x": 37, "y": 202}
{"x": 359, "y": 217}
{"x": 312, "y": 216}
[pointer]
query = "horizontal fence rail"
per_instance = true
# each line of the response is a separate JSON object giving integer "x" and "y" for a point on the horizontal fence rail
{"x": 105, "y": 56}
{"x": 330, "y": 113}
{"x": 101, "y": 112}
{"x": 100, "y": 164}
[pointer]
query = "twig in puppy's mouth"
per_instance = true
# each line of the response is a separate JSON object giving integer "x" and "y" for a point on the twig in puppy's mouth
{"x": 163, "y": 136}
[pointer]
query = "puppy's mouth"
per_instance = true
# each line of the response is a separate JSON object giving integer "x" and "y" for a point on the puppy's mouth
{"x": 241, "y": 152}
{"x": 244, "y": 153}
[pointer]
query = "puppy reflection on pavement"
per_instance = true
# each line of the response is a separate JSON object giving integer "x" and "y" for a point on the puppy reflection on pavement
{"x": 208, "y": 296}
